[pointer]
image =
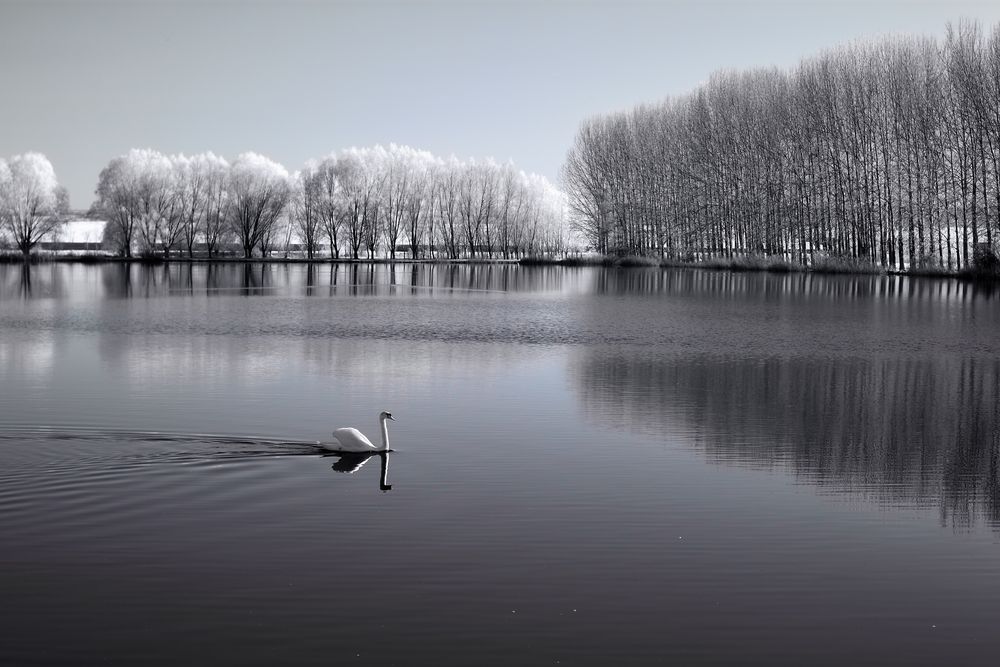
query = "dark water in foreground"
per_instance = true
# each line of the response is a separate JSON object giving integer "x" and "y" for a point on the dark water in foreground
{"x": 592, "y": 467}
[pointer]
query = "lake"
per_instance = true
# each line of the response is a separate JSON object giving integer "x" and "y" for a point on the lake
{"x": 591, "y": 466}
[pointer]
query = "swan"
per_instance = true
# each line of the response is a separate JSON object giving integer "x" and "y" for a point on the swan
{"x": 353, "y": 440}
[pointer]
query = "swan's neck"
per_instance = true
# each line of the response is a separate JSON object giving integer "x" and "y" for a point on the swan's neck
{"x": 384, "y": 427}
{"x": 384, "y": 473}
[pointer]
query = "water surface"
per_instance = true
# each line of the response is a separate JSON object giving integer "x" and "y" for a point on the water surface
{"x": 591, "y": 466}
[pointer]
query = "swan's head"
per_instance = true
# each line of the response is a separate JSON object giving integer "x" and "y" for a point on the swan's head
{"x": 386, "y": 415}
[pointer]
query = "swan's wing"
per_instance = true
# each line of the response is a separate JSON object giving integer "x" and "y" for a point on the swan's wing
{"x": 351, "y": 439}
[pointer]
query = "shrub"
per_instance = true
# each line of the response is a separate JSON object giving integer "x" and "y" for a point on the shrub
{"x": 637, "y": 260}
{"x": 762, "y": 263}
{"x": 843, "y": 264}
{"x": 985, "y": 260}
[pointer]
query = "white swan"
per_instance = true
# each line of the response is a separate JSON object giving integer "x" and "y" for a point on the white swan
{"x": 353, "y": 440}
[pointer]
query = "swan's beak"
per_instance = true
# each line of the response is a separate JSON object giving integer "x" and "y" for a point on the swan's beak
{"x": 390, "y": 417}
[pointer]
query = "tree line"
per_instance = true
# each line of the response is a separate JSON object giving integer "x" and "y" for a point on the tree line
{"x": 360, "y": 202}
{"x": 886, "y": 152}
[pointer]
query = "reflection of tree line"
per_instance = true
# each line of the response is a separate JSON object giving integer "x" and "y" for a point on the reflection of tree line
{"x": 143, "y": 280}
{"x": 324, "y": 279}
{"x": 394, "y": 278}
{"x": 25, "y": 281}
{"x": 905, "y": 429}
{"x": 679, "y": 282}
{"x": 120, "y": 280}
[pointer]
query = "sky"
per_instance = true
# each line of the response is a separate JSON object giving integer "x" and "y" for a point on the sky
{"x": 84, "y": 81}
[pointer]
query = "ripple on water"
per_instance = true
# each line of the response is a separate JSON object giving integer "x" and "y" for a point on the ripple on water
{"x": 91, "y": 483}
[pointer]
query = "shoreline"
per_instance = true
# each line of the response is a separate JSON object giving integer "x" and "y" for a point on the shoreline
{"x": 763, "y": 265}
{"x": 159, "y": 261}
{"x": 738, "y": 265}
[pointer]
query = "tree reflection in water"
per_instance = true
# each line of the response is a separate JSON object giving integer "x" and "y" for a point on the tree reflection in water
{"x": 907, "y": 431}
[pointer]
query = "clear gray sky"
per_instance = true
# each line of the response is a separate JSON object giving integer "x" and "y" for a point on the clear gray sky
{"x": 85, "y": 81}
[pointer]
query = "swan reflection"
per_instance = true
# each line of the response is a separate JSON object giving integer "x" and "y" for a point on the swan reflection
{"x": 351, "y": 462}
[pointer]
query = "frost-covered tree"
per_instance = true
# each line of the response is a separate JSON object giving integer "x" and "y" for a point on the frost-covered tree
{"x": 4, "y": 189}
{"x": 279, "y": 235}
{"x": 476, "y": 199}
{"x": 418, "y": 201}
{"x": 216, "y": 178}
{"x": 398, "y": 181}
{"x": 373, "y": 212}
{"x": 156, "y": 201}
{"x": 330, "y": 206}
{"x": 190, "y": 195}
{"x": 350, "y": 175}
{"x": 305, "y": 211}
{"x": 199, "y": 180}
{"x": 376, "y": 199}
{"x": 32, "y": 203}
{"x": 137, "y": 195}
{"x": 448, "y": 195}
{"x": 258, "y": 191}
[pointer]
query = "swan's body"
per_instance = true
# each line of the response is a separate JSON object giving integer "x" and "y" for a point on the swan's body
{"x": 353, "y": 440}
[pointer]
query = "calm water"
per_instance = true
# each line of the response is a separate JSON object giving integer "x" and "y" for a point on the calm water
{"x": 591, "y": 467}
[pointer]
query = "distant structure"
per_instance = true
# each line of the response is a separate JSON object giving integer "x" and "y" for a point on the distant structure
{"x": 81, "y": 233}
